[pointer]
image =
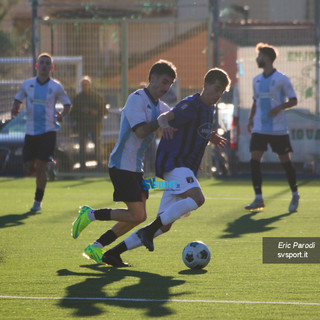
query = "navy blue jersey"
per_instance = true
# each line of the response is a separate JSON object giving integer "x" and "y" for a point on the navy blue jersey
{"x": 194, "y": 121}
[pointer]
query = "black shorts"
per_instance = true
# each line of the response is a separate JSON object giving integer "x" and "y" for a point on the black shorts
{"x": 279, "y": 144}
{"x": 127, "y": 185}
{"x": 40, "y": 146}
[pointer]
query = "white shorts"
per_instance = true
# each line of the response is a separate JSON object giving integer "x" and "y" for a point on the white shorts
{"x": 183, "y": 179}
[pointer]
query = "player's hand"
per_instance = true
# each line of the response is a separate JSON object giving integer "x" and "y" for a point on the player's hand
{"x": 274, "y": 111}
{"x": 167, "y": 130}
{"x": 15, "y": 111}
{"x": 218, "y": 141}
{"x": 59, "y": 117}
{"x": 250, "y": 125}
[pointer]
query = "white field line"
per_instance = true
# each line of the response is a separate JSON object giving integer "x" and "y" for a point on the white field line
{"x": 165, "y": 300}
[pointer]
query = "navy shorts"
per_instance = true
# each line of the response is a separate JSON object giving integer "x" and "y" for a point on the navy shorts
{"x": 279, "y": 144}
{"x": 40, "y": 146}
{"x": 127, "y": 185}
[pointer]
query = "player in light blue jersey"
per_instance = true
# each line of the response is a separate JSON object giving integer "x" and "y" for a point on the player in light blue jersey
{"x": 41, "y": 94}
{"x": 178, "y": 159}
{"x": 273, "y": 94}
{"x": 137, "y": 130}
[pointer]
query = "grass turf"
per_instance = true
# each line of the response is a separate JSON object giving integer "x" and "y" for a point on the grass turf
{"x": 44, "y": 276}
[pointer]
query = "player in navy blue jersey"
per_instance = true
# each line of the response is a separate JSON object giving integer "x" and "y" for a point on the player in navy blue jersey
{"x": 178, "y": 159}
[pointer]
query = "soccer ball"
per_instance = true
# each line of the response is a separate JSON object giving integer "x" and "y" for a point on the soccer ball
{"x": 196, "y": 255}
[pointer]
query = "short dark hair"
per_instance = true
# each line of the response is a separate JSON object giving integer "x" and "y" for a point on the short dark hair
{"x": 268, "y": 50}
{"x": 218, "y": 74}
{"x": 163, "y": 67}
{"x": 45, "y": 54}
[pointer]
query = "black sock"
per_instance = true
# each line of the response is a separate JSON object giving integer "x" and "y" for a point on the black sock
{"x": 256, "y": 176}
{"x": 107, "y": 238}
{"x": 118, "y": 249}
{"x": 154, "y": 226}
{"x": 291, "y": 175}
{"x": 39, "y": 195}
{"x": 102, "y": 214}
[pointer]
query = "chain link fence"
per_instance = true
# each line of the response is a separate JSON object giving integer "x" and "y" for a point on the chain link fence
{"x": 117, "y": 54}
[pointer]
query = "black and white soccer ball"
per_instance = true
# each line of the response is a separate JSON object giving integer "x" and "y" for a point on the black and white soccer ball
{"x": 196, "y": 255}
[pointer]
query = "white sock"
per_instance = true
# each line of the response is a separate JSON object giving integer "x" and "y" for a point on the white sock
{"x": 133, "y": 241}
{"x": 91, "y": 215}
{"x": 97, "y": 244}
{"x": 177, "y": 209}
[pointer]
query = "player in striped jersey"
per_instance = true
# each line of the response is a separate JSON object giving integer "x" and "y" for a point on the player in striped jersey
{"x": 273, "y": 94}
{"x": 41, "y": 94}
{"x": 178, "y": 159}
{"x": 137, "y": 130}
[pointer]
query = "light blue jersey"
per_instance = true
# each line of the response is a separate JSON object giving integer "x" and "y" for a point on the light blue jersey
{"x": 269, "y": 92}
{"x": 128, "y": 153}
{"x": 41, "y": 100}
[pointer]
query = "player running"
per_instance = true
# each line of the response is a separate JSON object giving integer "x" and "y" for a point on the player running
{"x": 137, "y": 127}
{"x": 178, "y": 159}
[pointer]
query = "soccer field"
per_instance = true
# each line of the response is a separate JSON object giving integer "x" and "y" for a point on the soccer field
{"x": 44, "y": 275}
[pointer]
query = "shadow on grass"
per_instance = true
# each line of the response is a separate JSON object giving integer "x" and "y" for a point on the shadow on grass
{"x": 13, "y": 220}
{"x": 150, "y": 292}
{"x": 246, "y": 224}
{"x": 193, "y": 272}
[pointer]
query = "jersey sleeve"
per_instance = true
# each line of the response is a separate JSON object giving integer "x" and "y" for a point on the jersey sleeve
{"x": 255, "y": 93}
{"x": 183, "y": 113}
{"x": 164, "y": 107}
{"x": 21, "y": 93}
{"x": 62, "y": 96}
{"x": 134, "y": 110}
{"x": 288, "y": 88}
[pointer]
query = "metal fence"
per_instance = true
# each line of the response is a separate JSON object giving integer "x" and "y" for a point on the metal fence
{"x": 118, "y": 53}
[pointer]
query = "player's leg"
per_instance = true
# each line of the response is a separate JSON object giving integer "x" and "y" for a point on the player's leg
{"x": 128, "y": 188}
{"x": 191, "y": 198}
{"x": 112, "y": 256}
{"x": 282, "y": 146}
{"x": 29, "y": 155}
{"x": 41, "y": 148}
{"x": 258, "y": 145}
{"x": 94, "y": 250}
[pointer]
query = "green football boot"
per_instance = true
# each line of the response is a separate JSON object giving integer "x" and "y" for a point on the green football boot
{"x": 93, "y": 253}
{"x": 81, "y": 222}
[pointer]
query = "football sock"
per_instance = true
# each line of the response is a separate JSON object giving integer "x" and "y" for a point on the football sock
{"x": 133, "y": 241}
{"x": 118, "y": 249}
{"x": 259, "y": 197}
{"x": 291, "y": 175}
{"x": 91, "y": 215}
{"x": 97, "y": 245}
{"x": 256, "y": 176}
{"x": 171, "y": 214}
{"x": 39, "y": 195}
{"x": 107, "y": 238}
{"x": 102, "y": 214}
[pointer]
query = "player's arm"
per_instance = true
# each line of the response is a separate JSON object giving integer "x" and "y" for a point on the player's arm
{"x": 283, "y": 106}
{"x": 251, "y": 115}
{"x": 162, "y": 122}
{"x": 66, "y": 111}
{"x": 15, "y": 110}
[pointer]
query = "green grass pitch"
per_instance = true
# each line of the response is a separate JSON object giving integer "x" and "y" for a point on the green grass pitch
{"x": 43, "y": 274}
